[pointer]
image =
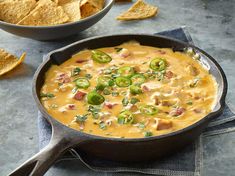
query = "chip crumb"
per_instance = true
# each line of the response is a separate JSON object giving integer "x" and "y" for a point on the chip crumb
{"x": 139, "y": 10}
{"x": 8, "y": 61}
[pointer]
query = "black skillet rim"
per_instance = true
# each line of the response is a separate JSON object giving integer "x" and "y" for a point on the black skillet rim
{"x": 221, "y": 101}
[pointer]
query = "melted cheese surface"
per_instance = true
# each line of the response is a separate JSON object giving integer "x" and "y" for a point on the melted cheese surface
{"x": 183, "y": 94}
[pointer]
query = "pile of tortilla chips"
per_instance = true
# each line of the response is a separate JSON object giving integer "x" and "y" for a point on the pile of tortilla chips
{"x": 8, "y": 61}
{"x": 139, "y": 10}
{"x": 47, "y": 12}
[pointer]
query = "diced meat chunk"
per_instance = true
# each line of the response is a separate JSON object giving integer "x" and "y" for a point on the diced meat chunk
{"x": 71, "y": 107}
{"x": 156, "y": 100}
{"x": 198, "y": 110}
{"x": 169, "y": 74}
{"x": 63, "y": 78}
{"x": 177, "y": 111}
{"x": 109, "y": 105}
{"x": 162, "y": 124}
{"x": 133, "y": 108}
{"x": 81, "y": 60}
{"x": 137, "y": 69}
{"x": 79, "y": 95}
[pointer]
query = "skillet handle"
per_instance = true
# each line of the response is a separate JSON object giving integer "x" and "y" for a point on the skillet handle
{"x": 41, "y": 162}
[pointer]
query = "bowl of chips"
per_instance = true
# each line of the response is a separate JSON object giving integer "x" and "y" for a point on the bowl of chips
{"x": 51, "y": 19}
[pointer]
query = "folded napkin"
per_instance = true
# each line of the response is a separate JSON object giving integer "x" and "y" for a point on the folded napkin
{"x": 186, "y": 162}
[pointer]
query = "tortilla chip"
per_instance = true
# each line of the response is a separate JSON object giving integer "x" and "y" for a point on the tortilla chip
{"x": 8, "y": 61}
{"x": 45, "y": 13}
{"x": 140, "y": 10}
{"x": 71, "y": 8}
{"x": 90, "y": 7}
{"x": 12, "y": 11}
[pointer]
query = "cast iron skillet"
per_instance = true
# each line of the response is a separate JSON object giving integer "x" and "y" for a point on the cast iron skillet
{"x": 128, "y": 150}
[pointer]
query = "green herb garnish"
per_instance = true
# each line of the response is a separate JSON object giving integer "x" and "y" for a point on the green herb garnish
{"x": 81, "y": 118}
{"x": 115, "y": 94}
{"x": 148, "y": 133}
{"x": 134, "y": 100}
{"x": 141, "y": 125}
{"x": 118, "y": 49}
{"x": 88, "y": 76}
{"x": 125, "y": 101}
{"x": 102, "y": 125}
{"x": 75, "y": 71}
{"x": 47, "y": 95}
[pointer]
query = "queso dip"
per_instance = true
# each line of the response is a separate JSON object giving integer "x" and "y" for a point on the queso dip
{"x": 129, "y": 91}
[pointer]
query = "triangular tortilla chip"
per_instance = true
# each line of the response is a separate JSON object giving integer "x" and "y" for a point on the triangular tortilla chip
{"x": 8, "y": 61}
{"x": 71, "y": 8}
{"x": 90, "y": 7}
{"x": 45, "y": 13}
{"x": 140, "y": 10}
{"x": 12, "y": 11}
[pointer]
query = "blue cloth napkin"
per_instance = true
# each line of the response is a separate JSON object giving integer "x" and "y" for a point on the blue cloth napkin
{"x": 185, "y": 162}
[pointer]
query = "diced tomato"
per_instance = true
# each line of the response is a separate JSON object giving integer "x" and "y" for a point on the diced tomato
{"x": 79, "y": 95}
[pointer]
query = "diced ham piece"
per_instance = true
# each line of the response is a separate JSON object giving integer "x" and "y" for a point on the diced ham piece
{"x": 64, "y": 78}
{"x": 156, "y": 100}
{"x": 177, "y": 111}
{"x": 162, "y": 124}
{"x": 79, "y": 95}
{"x": 81, "y": 60}
{"x": 161, "y": 52}
{"x": 169, "y": 74}
{"x": 109, "y": 105}
{"x": 124, "y": 53}
{"x": 197, "y": 110}
{"x": 133, "y": 108}
{"x": 71, "y": 107}
{"x": 145, "y": 88}
{"x": 137, "y": 68}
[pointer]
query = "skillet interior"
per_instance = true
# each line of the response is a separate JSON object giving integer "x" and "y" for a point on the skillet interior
{"x": 133, "y": 149}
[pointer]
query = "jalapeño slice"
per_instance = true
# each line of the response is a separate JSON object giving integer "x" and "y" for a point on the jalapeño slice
{"x": 158, "y": 64}
{"x": 100, "y": 56}
{"x": 122, "y": 81}
{"x": 94, "y": 98}
{"x": 82, "y": 83}
{"x": 125, "y": 117}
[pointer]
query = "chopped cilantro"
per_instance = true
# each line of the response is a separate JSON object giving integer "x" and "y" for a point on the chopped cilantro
{"x": 81, "y": 118}
{"x": 118, "y": 49}
{"x": 102, "y": 126}
{"x": 141, "y": 125}
{"x": 134, "y": 100}
{"x": 125, "y": 101}
{"x": 75, "y": 71}
{"x": 148, "y": 133}
{"x": 47, "y": 95}
{"x": 88, "y": 76}
{"x": 115, "y": 94}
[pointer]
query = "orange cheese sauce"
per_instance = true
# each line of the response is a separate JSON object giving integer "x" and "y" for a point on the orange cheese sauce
{"x": 182, "y": 94}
